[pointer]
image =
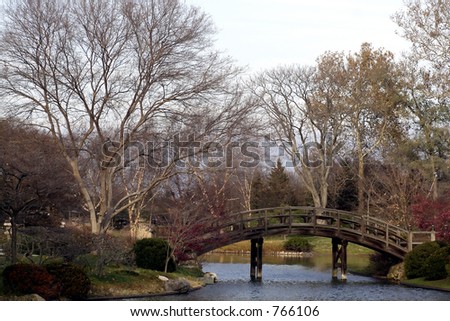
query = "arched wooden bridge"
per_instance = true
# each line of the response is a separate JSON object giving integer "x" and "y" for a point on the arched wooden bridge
{"x": 341, "y": 226}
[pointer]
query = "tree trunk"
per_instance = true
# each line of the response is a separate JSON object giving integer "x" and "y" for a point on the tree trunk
{"x": 361, "y": 184}
{"x": 318, "y": 199}
{"x": 100, "y": 215}
{"x": 324, "y": 191}
{"x": 95, "y": 225}
{"x": 435, "y": 191}
{"x": 134, "y": 214}
{"x": 168, "y": 256}
{"x": 106, "y": 197}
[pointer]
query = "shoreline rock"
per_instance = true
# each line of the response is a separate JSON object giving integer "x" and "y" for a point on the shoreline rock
{"x": 396, "y": 273}
{"x": 180, "y": 285}
{"x": 209, "y": 278}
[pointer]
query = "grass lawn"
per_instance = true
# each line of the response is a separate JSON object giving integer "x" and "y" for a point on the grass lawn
{"x": 323, "y": 245}
{"x": 124, "y": 282}
{"x": 438, "y": 284}
{"x": 128, "y": 281}
{"x": 421, "y": 282}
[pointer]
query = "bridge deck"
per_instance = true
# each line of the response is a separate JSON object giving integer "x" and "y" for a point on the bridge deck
{"x": 364, "y": 230}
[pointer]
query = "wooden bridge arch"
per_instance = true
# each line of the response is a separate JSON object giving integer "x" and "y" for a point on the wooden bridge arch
{"x": 341, "y": 226}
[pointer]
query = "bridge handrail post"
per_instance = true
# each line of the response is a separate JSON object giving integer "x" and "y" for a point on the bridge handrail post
{"x": 362, "y": 227}
{"x": 290, "y": 219}
{"x": 339, "y": 221}
{"x": 265, "y": 220}
{"x": 387, "y": 235}
{"x": 410, "y": 241}
{"x": 314, "y": 219}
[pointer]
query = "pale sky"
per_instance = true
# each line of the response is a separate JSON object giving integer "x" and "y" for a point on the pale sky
{"x": 263, "y": 34}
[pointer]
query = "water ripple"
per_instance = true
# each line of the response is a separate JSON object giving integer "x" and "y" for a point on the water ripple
{"x": 300, "y": 283}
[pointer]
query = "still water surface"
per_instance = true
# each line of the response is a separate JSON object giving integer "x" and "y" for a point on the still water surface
{"x": 297, "y": 279}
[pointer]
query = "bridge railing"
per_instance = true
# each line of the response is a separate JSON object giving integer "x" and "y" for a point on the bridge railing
{"x": 368, "y": 229}
{"x": 419, "y": 237}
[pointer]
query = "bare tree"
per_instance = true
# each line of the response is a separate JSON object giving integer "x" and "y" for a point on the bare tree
{"x": 307, "y": 114}
{"x": 95, "y": 73}
{"x": 243, "y": 183}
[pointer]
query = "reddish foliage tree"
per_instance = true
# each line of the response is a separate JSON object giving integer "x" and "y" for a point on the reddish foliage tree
{"x": 194, "y": 206}
{"x": 189, "y": 232}
{"x": 429, "y": 213}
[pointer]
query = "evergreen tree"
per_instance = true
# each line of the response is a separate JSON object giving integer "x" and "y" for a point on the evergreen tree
{"x": 280, "y": 191}
{"x": 258, "y": 191}
{"x": 273, "y": 191}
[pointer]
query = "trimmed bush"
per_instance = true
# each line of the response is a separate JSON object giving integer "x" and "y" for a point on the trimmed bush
{"x": 297, "y": 244}
{"x": 23, "y": 279}
{"x": 415, "y": 261}
{"x": 74, "y": 283}
{"x": 152, "y": 253}
{"x": 435, "y": 265}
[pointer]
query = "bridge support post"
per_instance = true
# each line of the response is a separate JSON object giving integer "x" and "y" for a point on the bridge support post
{"x": 256, "y": 251}
{"x": 339, "y": 255}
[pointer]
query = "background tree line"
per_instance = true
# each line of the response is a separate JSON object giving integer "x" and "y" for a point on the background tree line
{"x": 85, "y": 85}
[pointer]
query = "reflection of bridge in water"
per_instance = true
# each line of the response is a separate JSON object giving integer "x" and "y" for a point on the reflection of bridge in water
{"x": 341, "y": 226}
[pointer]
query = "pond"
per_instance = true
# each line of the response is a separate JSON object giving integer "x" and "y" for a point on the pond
{"x": 297, "y": 279}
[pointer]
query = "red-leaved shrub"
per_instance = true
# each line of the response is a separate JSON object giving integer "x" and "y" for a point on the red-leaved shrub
{"x": 30, "y": 279}
{"x": 430, "y": 213}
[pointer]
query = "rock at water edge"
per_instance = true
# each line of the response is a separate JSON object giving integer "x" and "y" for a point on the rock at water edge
{"x": 178, "y": 285}
{"x": 210, "y": 278}
{"x": 397, "y": 272}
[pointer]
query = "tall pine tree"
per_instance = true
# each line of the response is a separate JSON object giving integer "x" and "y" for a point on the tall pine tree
{"x": 276, "y": 190}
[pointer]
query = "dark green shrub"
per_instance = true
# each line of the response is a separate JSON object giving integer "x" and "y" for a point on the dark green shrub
{"x": 435, "y": 265}
{"x": 380, "y": 264}
{"x": 415, "y": 261}
{"x": 74, "y": 283}
{"x": 297, "y": 244}
{"x": 442, "y": 243}
{"x": 30, "y": 279}
{"x": 152, "y": 253}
